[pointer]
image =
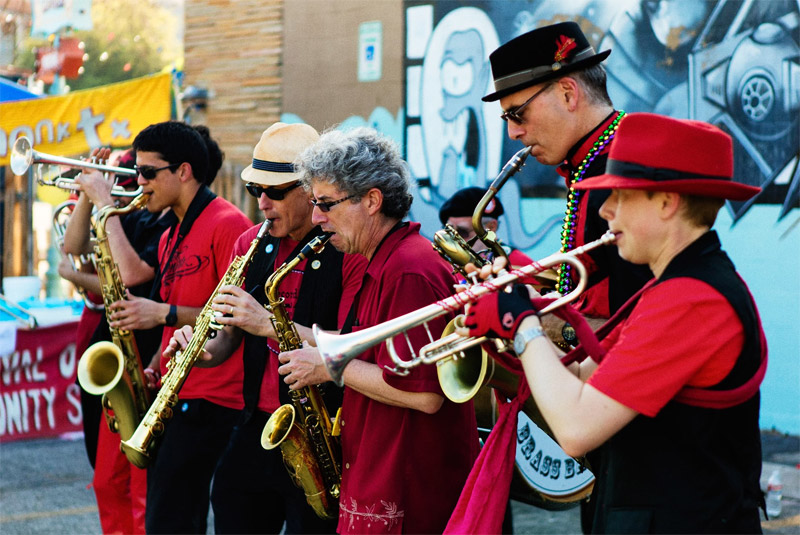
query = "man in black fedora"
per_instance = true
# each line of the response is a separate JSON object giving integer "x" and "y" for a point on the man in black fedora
{"x": 551, "y": 87}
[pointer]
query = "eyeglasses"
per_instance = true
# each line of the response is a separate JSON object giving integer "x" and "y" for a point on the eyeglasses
{"x": 275, "y": 194}
{"x": 326, "y": 206}
{"x": 514, "y": 115}
{"x": 149, "y": 173}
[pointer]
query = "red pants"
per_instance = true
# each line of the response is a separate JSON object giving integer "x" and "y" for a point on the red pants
{"x": 120, "y": 487}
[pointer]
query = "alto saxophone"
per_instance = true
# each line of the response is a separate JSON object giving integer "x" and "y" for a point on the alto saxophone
{"x": 114, "y": 369}
{"x": 141, "y": 446}
{"x": 303, "y": 428}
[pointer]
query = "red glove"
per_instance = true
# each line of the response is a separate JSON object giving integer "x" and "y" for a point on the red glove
{"x": 498, "y": 314}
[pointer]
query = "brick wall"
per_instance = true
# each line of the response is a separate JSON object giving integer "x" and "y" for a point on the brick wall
{"x": 233, "y": 48}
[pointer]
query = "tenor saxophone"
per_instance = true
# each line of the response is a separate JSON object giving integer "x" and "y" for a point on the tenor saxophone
{"x": 114, "y": 369}
{"x": 303, "y": 428}
{"x": 139, "y": 448}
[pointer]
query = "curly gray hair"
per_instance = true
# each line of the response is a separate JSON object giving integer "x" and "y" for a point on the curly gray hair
{"x": 355, "y": 161}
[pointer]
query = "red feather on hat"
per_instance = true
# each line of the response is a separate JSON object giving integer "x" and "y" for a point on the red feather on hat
{"x": 565, "y": 44}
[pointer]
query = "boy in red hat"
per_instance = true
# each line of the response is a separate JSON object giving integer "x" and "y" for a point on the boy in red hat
{"x": 670, "y": 395}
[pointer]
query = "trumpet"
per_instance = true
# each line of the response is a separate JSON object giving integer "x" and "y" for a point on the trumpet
{"x": 338, "y": 350}
{"x": 23, "y": 157}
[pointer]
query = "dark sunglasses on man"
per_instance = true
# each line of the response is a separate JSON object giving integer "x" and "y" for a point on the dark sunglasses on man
{"x": 515, "y": 115}
{"x": 149, "y": 173}
{"x": 275, "y": 194}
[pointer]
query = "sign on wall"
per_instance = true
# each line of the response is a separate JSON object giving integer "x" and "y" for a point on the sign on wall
{"x": 370, "y": 51}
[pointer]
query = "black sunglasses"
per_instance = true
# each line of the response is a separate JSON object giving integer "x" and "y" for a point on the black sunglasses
{"x": 276, "y": 194}
{"x": 514, "y": 115}
{"x": 149, "y": 173}
{"x": 326, "y": 206}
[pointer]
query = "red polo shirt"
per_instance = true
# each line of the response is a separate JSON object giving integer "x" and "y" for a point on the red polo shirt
{"x": 403, "y": 470}
{"x": 192, "y": 276}
{"x": 681, "y": 332}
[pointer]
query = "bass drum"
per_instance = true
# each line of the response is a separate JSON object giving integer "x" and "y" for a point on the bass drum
{"x": 544, "y": 476}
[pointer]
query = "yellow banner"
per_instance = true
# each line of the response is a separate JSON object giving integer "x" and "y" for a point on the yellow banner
{"x": 73, "y": 124}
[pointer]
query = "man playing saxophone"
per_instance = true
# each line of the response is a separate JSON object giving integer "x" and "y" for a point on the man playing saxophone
{"x": 119, "y": 487}
{"x": 176, "y": 162}
{"x": 252, "y": 491}
{"x": 406, "y": 450}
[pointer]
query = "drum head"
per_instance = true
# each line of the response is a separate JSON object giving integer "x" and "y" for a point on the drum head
{"x": 544, "y": 475}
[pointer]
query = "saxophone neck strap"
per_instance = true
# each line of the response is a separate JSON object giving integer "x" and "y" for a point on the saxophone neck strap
{"x": 202, "y": 198}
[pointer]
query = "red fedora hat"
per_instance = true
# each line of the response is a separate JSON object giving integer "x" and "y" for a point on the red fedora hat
{"x": 658, "y": 153}
{"x": 540, "y": 55}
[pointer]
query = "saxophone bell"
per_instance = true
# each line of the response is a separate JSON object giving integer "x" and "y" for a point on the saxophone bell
{"x": 302, "y": 429}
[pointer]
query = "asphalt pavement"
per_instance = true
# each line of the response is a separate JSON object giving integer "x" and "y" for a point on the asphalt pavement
{"x": 45, "y": 488}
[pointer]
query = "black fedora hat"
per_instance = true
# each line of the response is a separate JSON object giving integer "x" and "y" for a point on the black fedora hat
{"x": 540, "y": 55}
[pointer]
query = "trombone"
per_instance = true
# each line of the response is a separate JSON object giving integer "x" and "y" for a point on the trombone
{"x": 17, "y": 312}
{"x": 338, "y": 350}
{"x": 23, "y": 157}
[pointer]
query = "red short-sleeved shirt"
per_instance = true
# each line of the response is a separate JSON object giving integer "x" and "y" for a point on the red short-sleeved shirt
{"x": 403, "y": 470}
{"x": 660, "y": 348}
{"x": 352, "y": 273}
{"x": 190, "y": 279}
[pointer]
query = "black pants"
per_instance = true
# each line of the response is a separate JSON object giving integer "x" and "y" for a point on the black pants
{"x": 92, "y": 411}
{"x": 252, "y": 491}
{"x": 179, "y": 478}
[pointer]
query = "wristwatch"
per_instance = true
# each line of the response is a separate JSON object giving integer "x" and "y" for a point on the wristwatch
{"x": 569, "y": 335}
{"x": 522, "y": 338}
{"x": 172, "y": 316}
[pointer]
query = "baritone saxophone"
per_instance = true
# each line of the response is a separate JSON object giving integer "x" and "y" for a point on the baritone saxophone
{"x": 303, "y": 428}
{"x": 114, "y": 370}
{"x": 140, "y": 447}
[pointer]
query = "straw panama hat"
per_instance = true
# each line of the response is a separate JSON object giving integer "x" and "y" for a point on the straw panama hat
{"x": 274, "y": 153}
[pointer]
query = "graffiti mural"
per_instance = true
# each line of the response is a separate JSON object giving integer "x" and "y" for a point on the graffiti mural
{"x": 733, "y": 64}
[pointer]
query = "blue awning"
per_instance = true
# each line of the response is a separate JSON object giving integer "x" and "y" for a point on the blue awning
{"x": 9, "y": 91}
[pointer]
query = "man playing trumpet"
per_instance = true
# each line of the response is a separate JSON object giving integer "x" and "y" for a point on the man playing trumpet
{"x": 406, "y": 450}
{"x": 670, "y": 397}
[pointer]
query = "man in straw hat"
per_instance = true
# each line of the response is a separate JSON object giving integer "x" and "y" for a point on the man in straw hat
{"x": 670, "y": 394}
{"x": 252, "y": 490}
{"x": 551, "y": 84}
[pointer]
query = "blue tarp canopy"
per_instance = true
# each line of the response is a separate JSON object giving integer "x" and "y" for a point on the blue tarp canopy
{"x": 9, "y": 91}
